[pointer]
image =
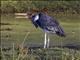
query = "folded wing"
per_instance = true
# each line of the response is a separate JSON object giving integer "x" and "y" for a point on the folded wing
{"x": 53, "y": 26}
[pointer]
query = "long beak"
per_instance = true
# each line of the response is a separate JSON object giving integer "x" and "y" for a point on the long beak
{"x": 21, "y": 15}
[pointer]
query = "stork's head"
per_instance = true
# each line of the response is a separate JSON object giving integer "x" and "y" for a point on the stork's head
{"x": 32, "y": 13}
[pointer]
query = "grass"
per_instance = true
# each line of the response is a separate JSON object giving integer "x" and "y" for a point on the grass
{"x": 14, "y": 31}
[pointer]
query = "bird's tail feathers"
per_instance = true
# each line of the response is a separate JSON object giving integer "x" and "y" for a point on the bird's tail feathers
{"x": 60, "y": 32}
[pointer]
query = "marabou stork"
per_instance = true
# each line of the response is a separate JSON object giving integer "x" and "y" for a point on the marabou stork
{"x": 47, "y": 23}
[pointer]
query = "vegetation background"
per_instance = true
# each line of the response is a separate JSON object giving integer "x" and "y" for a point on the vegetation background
{"x": 70, "y": 7}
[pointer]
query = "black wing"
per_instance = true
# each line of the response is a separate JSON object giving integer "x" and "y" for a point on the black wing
{"x": 53, "y": 25}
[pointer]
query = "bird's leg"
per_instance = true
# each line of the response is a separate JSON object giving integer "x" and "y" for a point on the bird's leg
{"x": 45, "y": 40}
{"x": 48, "y": 41}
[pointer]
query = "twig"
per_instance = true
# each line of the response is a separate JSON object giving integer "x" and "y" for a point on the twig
{"x": 25, "y": 39}
{"x": 21, "y": 46}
